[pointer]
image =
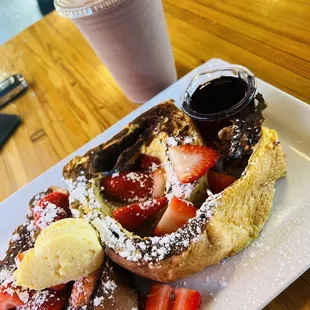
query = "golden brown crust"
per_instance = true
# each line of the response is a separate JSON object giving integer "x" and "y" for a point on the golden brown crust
{"x": 225, "y": 224}
{"x": 147, "y": 134}
{"x": 238, "y": 217}
{"x": 165, "y": 118}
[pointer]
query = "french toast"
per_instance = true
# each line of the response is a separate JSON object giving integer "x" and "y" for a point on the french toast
{"x": 24, "y": 236}
{"x": 151, "y": 134}
{"x": 22, "y": 240}
{"x": 112, "y": 285}
{"x": 114, "y": 290}
{"x": 224, "y": 224}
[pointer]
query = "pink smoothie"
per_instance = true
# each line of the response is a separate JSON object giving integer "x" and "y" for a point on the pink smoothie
{"x": 131, "y": 39}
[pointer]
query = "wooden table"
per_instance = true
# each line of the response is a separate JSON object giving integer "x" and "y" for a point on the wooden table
{"x": 72, "y": 97}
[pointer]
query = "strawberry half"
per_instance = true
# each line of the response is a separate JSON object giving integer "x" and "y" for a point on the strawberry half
{"x": 186, "y": 299}
{"x": 129, "y": 187}
{"x": 219, "y": 181}
{"x": 83, "y": 289}
{"x": 178, "y": 213}
{"x": 53, "y": 300}
{"x": 8, "y": 301}
{"x": 134, "y": 215}
{"x": 148, "y": 162}
{"x": 165, "y": 297}
{"x": 159, "y": 177}
{"x": 159, "y": 297}
{"x": 190, "y": 162}
{"x": 51, "y": 208}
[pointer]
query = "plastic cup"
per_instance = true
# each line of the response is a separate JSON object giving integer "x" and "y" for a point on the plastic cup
{"x": 131, "y": 39}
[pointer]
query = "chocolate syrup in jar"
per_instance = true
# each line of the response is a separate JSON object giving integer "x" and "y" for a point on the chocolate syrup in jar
{"x": 218, "y": 102}
{"x": 218, "y": 95}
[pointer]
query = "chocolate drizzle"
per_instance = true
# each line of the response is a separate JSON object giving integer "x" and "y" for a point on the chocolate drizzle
{"x": 247, "y": 131}
{"x": 236, "y": 142}
{"x": 239, "y": 138}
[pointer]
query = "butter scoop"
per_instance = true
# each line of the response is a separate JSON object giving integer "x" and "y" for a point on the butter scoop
{"x": 64, "y": 251}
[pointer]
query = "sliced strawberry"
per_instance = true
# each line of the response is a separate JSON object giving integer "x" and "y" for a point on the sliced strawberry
{"x": 186, "y": 299}
{"x": 129, "y": 187}
{"x": 190, "y": 162}
{"x": 51, "y": 208}
{"x": 176, "y": 216}
{"x": 160, "y": 297}
{"x": 165, "y": 297}
{"x": 159, "y": 177}
{"x": 148, "y": 162}
{"x": 134, "y": 215}
{"x": 83, "y": 289}
{"x": 8, "y": 299}
{"x": 47, "y": 300}
{"x": 61, "y": 200}
{"x": 219, "y": 181}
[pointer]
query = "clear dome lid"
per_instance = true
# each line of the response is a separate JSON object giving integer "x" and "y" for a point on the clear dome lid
{"x": 81, "y": 8}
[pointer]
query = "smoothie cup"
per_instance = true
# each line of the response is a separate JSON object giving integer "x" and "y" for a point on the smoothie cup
{"x": 131, "y": 39}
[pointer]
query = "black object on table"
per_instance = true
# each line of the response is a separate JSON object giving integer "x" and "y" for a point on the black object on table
{"x": 46, "y": 6}
{"x": 8, "y": 124}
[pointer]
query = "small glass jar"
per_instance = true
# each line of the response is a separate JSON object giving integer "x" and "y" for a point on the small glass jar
{"x": 210, "y": 124}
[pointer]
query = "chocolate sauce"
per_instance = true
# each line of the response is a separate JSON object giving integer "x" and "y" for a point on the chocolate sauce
{"x": 218, "y": 95}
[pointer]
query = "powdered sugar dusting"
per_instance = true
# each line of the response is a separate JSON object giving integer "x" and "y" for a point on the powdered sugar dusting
{"x": 148, "y": 204}
{"x": 98, "y": 300}
{"x": 39, "y": 299}
{"x": 48, "y": 214}
{"x": 31, "y": 228}
{"x": 81, "y": 192}
{"x": 78, "y": 190}
{"x": 15, "y": 237}
{"x": 174, "y": 187}
{"x": 171, "y": 141}
{"x": 174, "y": 141}
{"x": 34, "y": 300}
{"x": 8, "y": 284}
{"x": 188, "y": 140}
{"x": 5, "y": 274}
{"x": 154, "y": 249}
{"x": 108, "y": 288}
{"x": 23, "y": 295}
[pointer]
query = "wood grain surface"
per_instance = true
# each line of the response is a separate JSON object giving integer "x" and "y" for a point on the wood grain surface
{"x": 72, "y": 97}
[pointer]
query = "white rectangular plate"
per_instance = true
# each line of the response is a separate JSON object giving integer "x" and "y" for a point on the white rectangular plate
{"x": 252, "y": 278}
